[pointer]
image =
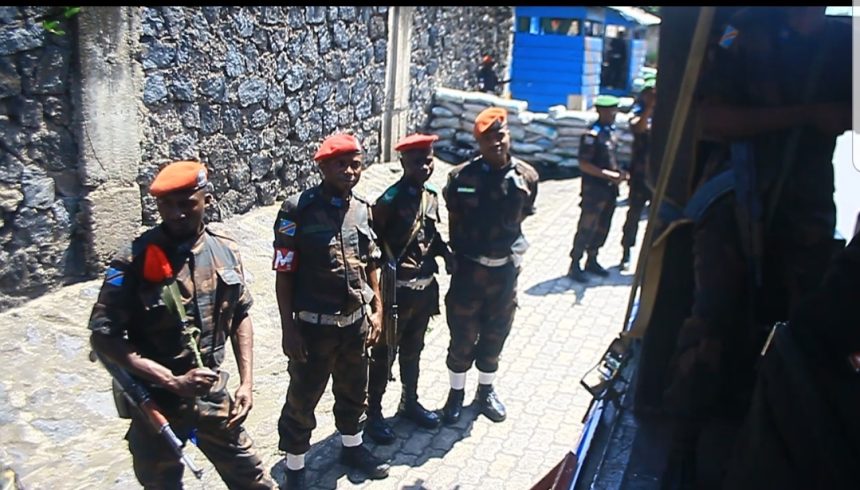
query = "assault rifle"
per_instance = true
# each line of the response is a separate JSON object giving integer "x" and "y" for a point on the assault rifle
{"x": 127, "y": 389}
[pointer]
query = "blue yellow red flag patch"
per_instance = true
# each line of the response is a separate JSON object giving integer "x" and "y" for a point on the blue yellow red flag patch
{"x": 728, "y": 38}
{"x": 287, "y": 227}
{"x": 114, "y": 277}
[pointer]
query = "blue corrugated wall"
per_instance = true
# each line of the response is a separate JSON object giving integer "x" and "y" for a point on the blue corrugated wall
{"x": 546, "y": 69}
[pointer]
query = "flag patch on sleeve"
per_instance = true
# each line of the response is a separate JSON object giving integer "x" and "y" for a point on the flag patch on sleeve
{"x": 114, "y": 277}
{"x": 287, "y": 227}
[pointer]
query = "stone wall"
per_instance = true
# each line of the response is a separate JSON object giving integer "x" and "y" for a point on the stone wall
{"x": 253, "y": 90}
{"x": 88, "y": 117}
{"x": 447, "y": 45}
{"x": 40, "y": 190}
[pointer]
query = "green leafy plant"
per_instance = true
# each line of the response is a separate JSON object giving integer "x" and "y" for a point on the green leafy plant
{"x": 52, "y": 24}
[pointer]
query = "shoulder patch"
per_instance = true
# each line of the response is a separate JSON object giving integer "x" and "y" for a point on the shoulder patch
{"x": 728, "y": 37}
{"x": 389, "y": 194}
{"x": 114, "y": 276}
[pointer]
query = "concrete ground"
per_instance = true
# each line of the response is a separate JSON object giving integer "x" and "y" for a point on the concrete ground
{"x": 58, "y": 425}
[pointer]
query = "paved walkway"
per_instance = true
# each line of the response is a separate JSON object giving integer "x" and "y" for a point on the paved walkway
{"x": 58, "y": 426}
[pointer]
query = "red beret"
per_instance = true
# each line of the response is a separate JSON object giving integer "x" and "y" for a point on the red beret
{"x": 179, "y": 176}
{"x": 488, "y": 59}
{"x": 489, "y": 117}
{"x": 337, "y": 144}
{"x": 415, "y": 142}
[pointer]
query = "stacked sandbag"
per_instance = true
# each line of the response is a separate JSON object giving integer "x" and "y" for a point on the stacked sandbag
{"x": 550, "y": 139}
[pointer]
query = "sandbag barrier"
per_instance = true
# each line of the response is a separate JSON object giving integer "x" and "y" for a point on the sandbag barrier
{"x": 550, "y": 139}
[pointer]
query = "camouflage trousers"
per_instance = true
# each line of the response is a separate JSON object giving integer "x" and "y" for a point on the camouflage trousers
{"x": 414, "y": 310}
{"x": 331, "y": 351}
{"x": 480, "y": 306}
{"x": 230, "y": 451}
{"x": 597, "y": 204}
{"x": 712, "y": 370}
{"x": 639, "y": 195}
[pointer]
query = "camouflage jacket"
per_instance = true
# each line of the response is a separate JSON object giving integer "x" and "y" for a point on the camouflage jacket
{"x": 598, "y": 147}
{"x": 327, "y": 243}
{"x": 211, "y": 282}
{"x": 760, "y": 62}
{"x": 394, "y": 214}
{"x": 486, "y": 207}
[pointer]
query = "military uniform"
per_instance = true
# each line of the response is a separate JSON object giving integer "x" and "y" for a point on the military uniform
{"x": 394, "y": 214}
{"x": 216, "y": 300}
{"x": 817, "y": 342}
{"x": 639, "y": 191}
{"x": 755, "y": 65}
{"x": 326, "y": 242}
{"x": 598, "y": 146}
{"x": 486, "y": 208}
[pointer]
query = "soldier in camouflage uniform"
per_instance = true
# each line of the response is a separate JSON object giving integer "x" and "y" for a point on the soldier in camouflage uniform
{"x": 640, "y": 124}
{"x": 600, "y": 178}
{"x": 488, "y": 198}
{"x": 787, "y": 115}
{"x": 328, "y": 295}
{"x": 133, "y": 327}
{"x": 405, "y": 218}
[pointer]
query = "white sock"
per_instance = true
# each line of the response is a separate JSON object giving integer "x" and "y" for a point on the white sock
{"x": 295, "y": 461}
{"x": 485, "y": 378}
{"x": 351, "y": 441}
{"x": 458, "y": 380}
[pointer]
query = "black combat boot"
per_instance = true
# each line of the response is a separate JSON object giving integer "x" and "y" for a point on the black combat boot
{"x": 360, "y": 458}
{"x": 625, "y": 259}
{"x": 409, "y": 407}
{"x": 593, "y": 267}
{"x": 376, "y": 427}
{"x": 489, "y": 403}
{"x": 453, "y": 407}
{"x": 296, "y": 479}
{"x": 575, "y": 273}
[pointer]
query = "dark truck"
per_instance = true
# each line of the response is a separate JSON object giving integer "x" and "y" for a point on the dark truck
{"x": 625, "y": 441}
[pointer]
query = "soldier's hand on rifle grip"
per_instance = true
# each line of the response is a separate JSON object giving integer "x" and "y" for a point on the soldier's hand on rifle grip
{"x": 375, "y": 333}
{"x": 196, "y": 382}
{"x": 292, "y": 343}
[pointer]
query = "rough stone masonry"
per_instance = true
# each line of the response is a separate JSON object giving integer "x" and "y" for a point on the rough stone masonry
{"x": 249, "y": 90}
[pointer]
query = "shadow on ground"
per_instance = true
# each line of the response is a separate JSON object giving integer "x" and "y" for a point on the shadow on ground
{"x": 410, "y": 449}
{"x": 563, "y": 284}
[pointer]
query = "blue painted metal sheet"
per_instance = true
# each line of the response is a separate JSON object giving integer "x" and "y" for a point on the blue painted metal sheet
{"x": 559, "y": 12}
{"x": 550, "y": 64}
{"x": 547, "y": 68}
{"x": 548, "y": 41}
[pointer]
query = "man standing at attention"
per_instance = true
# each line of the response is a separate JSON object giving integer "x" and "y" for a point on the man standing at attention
{"x": 405, "y": 218}
{"x": 488, "y": 198}
{"x": 331, "y": 310}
